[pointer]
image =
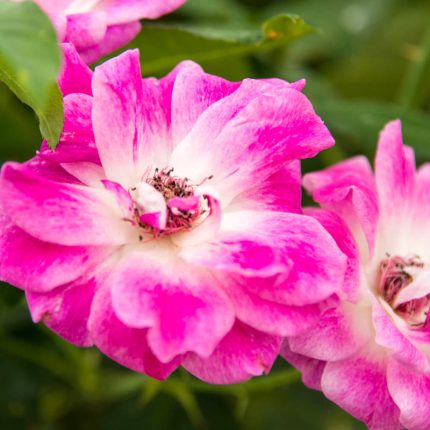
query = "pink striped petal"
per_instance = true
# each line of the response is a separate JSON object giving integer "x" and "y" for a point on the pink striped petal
{"x": 66, "y": 309}
{"x": 339, "y": 333}
{"x": 61, "y": 213}
{"x": 127, "y": 10}
{"x": 86, "y": 29}
{"x": 389, "y": 336}
{"x": 75, "y": 76}
{"x": 348, "y": 189}
{"x": 114, "y": 38}
{"x": 422, "y": 194}
{"x": 359, "y": 386}
{"x": 317, "y": 266}
{"x": 272, "y": 318}
{"x": 281, "y": 192}
{"x": 117, "y": 116}
{"x": 122, "y": 197}
{"x": 346, "y": 243}
{"x": 250, "y": 134}
{"x": 311, "y": 369}
{"x": 394, "y": 170}
{"x": 243, "y": 353}
{"x": 186, "y": 311}
{"x": 193, "y": 92}
{"x": 411, "y": 392}
{"x": 37, "y": 266}
{"x": 126, "y": 345}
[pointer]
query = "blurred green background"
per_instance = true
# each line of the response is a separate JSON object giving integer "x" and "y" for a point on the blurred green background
{"x": 366, "y": 63}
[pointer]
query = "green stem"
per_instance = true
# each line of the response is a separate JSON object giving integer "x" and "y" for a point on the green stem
{"x": 415, "y": 72}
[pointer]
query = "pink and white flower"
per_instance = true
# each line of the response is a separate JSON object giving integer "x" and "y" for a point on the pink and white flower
{"x": 99, "y": 27}
{"x": 166, "y": 228}
{"x": 370, "y": 355}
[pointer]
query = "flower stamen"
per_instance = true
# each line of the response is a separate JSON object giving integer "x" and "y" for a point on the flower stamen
{"x": 396, "y": 274}
{"x": 165, "y": 204}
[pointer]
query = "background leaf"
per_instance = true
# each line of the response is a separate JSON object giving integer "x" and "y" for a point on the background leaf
{"x": 358, "y": 123}
{"x": 163, "y": 46}
{"x": 30, "y": 60}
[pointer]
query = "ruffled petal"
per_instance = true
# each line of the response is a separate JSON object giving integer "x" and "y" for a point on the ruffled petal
{"x": 192, "y": 93}
{"x": 348, "y": 189}
{"x": 122, "y": 197}
{"x": 346, "y": 243}
{"x": 114, "y": 38}
{"x": 75, "y": 76}
{"x": 242, "y": 253}
{"x": 310, "y": 368}
{"x": 120, "y": 11}
{"x": 359, "y": 385}
{"x": 422, "y": 194}
{"x": 66, "y": 309}
{"x": 87, "y": 173}
{"x": 117, "y": 116}
{"x": 411, "y": 392}
{"x": 126, "y": 345}
{"x": 243, "y": 353}
{"x": 77, "y": 120}
{"x": 37, "y": 266}
{"x": 339, "y": 333}
{"x": 86, "y": 29}
{"x": 316, "y": 266}
{"x": 389, "y": 336}
{"x": 394, "y": 171}
{"x": 280, "y": 192}
{"x": 271, "y": 317}
{"x": 249, "y": 135}
{"x": 61, "y": 213}
{"x": 185, "y": 310}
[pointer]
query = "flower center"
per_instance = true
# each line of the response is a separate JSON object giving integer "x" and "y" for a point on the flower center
{"x": 396, "y": 274}
{"x": 165, "y": 204}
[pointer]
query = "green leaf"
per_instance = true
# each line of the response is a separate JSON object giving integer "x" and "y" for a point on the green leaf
{"x": 163, "y": 46}
{"x": 30, "y": 60}
{"x": 361, "y": 121}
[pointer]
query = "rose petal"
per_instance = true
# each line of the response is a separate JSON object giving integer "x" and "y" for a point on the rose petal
{"x": 186, "y": 311}
{"x": 348, "y": 189}
{"x": 37, "y": 266}
{"x": 60, "y": 213}
{"x": 359, "y": 386}
{"x": 243, "y": 353}
{"x": 66, "y": 309}
{"x": 394, "y": 170}
{"x": 117, "y": 116}
{"x": 411, "y": 392}
{"x": 75, "y": 76}
{"x": 126, "y": 345}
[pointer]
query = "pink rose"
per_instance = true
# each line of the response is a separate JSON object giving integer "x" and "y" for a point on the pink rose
{"x": 370, "y": 355}
{"x": 166, "y": 227}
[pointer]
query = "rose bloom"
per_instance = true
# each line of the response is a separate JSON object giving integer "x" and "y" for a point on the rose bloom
{"x": 166, "y": 227}
{"x": 370, "y": 355}
{"x": 99, "y": 27}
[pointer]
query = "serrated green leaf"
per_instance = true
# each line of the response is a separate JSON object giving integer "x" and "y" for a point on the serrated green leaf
{"x": 30, "y": 60}
{"x": 163, "y": 46}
